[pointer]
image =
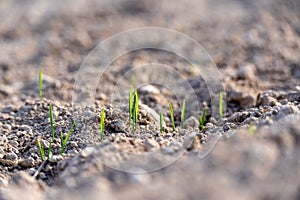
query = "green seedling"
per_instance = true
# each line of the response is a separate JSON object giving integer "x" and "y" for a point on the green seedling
{"x": 221, "y": 104}
{"x": 202, "y": 120}
{"x": 41, "y": 84}
{"x": 41, "y": 150}
{"x": 172, "y": 116}
{"x": 182, "y": 114}
{"x": 52, "y": 130}
{"x": 135, "y": 109}
{"x": 161, "y": 122}
{"x": 130, "y": 105}
{"x": 102, "y": 123}
{"x": 65, "y": 140}
{"x": 252, "y": 129}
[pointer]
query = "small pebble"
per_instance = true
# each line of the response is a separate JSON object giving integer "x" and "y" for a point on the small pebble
{"x": 11, "y": 156}
{"x": 246, "y": 71}
{"x": 251, "y": 120}
{"x": 34, "y": 156}
{"x": 149, "y": 89}
{"x": 151, "y": 144}
{"x": 7, "y": 109}
{"x": 73, "y": 152}
{"x": 44, "y": 143}
{"x": 7, "y": 127}
{"x": 55, "y": 158}
{"x": 209, "y": 125}
{"x": 33, "y": 150}
{"x": 48, "y": 168}
{"x": 287, "y": 110}
{"x": 42, "y": 175}
{"x": 101, "y": 96}
{"x": 191, "y": 122}
{"x": 73, "y": 144}
{"x": 28, "y": 162}
{"x": 267, "y": 98}
{"x": 14, "y": 143}
{"x": 229, "y": 126}
{"x": 118, "y": 125}
{"x": 2, "y": 152}
{"x": 31, "y": 171}
{"x": 181, "y": 133}
{"x": 26, "y": 128}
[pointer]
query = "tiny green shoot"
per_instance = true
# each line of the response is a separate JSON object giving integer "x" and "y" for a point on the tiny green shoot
{"x": 52, "y": 130}
{"x": 130, "y": 106}
{"x": 221, "y": 104}
{"x": 252, "y": 129}
{"x": 102, "y": 123}
{"x": 172, "y": 116}
{"x": 161, "y": 122}
{"x": 135, "y": 109}
{"x": 202, "y": 120}
{"x": 182, "y": 113}
{"x": 41, "y": 150}
{"x": 65, "y": 140}
{"x": 41, "y": 84}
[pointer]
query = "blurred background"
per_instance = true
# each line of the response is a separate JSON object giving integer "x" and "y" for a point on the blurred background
{"x": 57, "y": 36}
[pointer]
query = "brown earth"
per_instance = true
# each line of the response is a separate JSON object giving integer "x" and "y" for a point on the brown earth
{"x": 255, "y": 45}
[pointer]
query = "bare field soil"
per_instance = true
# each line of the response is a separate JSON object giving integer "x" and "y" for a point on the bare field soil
{"x": 256, "y": 47}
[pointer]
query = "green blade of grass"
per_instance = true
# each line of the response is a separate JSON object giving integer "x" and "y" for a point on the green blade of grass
{"x": 102, "y": 123}
{"x": 136, "y": 105}
{"x": 52, "y": 131}
{"x": 161, "y": 122}
{"x": 65, "y": 140}
{"x": 41, "y": 84}
{"x": 252, "y": 129}
{"x": 41, "y": 150}
{"x": 202, "y": 120}
{"x": 221, "y": 104}
{"x": 172, "y": 117}
{"x": 69, "y": 133}
{"x": 182, "y": 113}
{"x": 135, "y": 109}
{"x": 130, "y": 106}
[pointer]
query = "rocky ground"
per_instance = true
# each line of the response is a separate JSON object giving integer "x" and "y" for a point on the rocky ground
{"x": 255, "y": 45}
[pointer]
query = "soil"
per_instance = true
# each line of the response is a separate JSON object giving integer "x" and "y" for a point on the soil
{"x": 255, "y": 45}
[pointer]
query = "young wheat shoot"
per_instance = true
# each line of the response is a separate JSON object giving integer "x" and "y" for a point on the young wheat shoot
{"x": 172, "y": 117}
{"x": 221, "y": 104}
{"x": 41, "y": 150}
{"x": 182, "y": 113}
{"x": 202, "y": 120}
{"x": 102, "y": 123}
